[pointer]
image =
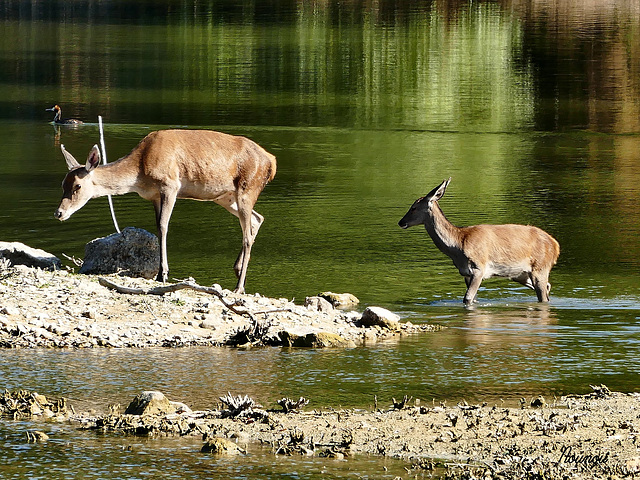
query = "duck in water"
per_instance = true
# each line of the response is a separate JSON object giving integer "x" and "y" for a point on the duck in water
{"x": 58, "y": 120}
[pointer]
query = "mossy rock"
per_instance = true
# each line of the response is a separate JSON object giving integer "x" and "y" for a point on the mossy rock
{"x": 342, "y": 300}
{"x": 315, "y": 340}
{"x": 150, "y": 403}
{"x": 220, "y": 446}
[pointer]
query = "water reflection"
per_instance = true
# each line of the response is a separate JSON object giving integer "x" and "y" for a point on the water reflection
{"x": 69, "y": 451}
{"x": 433, "y": 65}
{"x": 546, "y": 65}
{"x": 585, "y": 62}
{"x": 510, "y": 342}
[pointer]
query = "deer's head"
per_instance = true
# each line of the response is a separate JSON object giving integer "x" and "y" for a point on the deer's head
{"x": 77, "y": 186}
{"x": 419, "y": 211}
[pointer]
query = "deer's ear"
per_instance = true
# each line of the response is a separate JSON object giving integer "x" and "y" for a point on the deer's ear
{"x": 441, "y": 189}
{"x": 93, "y": 159}
{"x": 72, "y": 163}
{"x": 438, "y": 192}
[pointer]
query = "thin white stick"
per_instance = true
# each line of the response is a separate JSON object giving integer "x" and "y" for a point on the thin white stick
{"x": 104, "y": 161}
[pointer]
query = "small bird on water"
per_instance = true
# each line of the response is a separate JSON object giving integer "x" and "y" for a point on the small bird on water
{"x": 58, "y": 120}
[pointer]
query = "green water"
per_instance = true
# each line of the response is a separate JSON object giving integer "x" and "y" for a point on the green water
{"x": 531, "y": 107}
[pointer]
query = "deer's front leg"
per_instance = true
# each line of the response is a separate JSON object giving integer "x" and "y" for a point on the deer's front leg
{"x": 541, "y": 285}
{"x": 164, "y": 207}
{"x": 473, "y": 283}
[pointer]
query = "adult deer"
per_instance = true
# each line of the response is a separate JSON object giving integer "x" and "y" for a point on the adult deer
{"x": 522, "y": 253}
{"x": 171, "y": 164}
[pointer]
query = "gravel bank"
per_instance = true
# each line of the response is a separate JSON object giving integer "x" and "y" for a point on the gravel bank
{"x": 59, "y": 309}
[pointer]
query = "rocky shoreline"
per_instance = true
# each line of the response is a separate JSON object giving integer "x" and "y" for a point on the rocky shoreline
{"x": 581, "y": 437}
{"x": 577, "y": 437}
{"x": 59, "y": 309}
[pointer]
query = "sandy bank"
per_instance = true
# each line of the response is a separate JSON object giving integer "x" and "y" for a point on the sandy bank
{"x": 578, "y": 437}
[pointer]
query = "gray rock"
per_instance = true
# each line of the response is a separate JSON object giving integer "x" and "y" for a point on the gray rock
{"x": 210, "y": 324}
{"x": 20, "y": 254}
{"x": 318, "y": 304}
{"x": 133, "y": 252}
{"x": 369, "y": 336}
{"x": 381, "y": 317}
{"x": 9, "y": 310}
{"x": 181, "y": 407}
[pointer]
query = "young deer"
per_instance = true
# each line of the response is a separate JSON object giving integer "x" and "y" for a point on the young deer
{"x": 171, "y": 164}
{"x": 522, "y": 253}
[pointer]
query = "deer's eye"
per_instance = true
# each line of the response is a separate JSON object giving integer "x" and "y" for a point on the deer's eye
{"x": 76, "y": 188}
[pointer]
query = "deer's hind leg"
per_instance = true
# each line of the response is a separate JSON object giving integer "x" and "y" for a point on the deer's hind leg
{"x": 525, "y": 279}
{"x": 229, "y": 202}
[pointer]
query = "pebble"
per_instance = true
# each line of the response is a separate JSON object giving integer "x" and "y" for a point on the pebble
{"x": 9, "y": 310}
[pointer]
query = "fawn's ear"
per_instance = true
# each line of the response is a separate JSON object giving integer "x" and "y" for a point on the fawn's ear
{"x": 93, "y": 159}
{"x": 72, "y": 163}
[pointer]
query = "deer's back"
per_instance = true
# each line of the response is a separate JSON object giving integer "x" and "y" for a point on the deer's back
{"x": 510, "y": 245}
{"x": 203, "y": 162}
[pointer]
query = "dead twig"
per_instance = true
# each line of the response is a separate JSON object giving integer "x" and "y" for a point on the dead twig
{"x": 76, "y": 261}
{"x": 164, "y": 289}
{"x": 274, "y": 310}
{"x": 254, "y": 334}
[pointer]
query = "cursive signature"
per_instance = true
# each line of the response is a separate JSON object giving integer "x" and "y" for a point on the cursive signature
{"x": 585, "y": 460}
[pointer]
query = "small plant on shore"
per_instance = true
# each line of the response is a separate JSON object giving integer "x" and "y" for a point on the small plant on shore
{"x": 5, "y": 264}
{"x": 238, "y": 405}
{"x": 399, "y": 405}
{"x": 295, "y": 445}
{"x": 5, "y": 267}
{"x": 289, "y": 405}
{"x": 23, "y": 403}
{"x": 253, "y": 334}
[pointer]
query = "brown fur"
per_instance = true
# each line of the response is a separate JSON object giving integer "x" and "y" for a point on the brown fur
{"x": 508, "y": 244}
{"x": 169, "y": 164}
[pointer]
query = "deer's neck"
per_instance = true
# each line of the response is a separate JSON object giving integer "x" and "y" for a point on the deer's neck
{"x": 445, "y": 235}
{"x": 116, "y": 178}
